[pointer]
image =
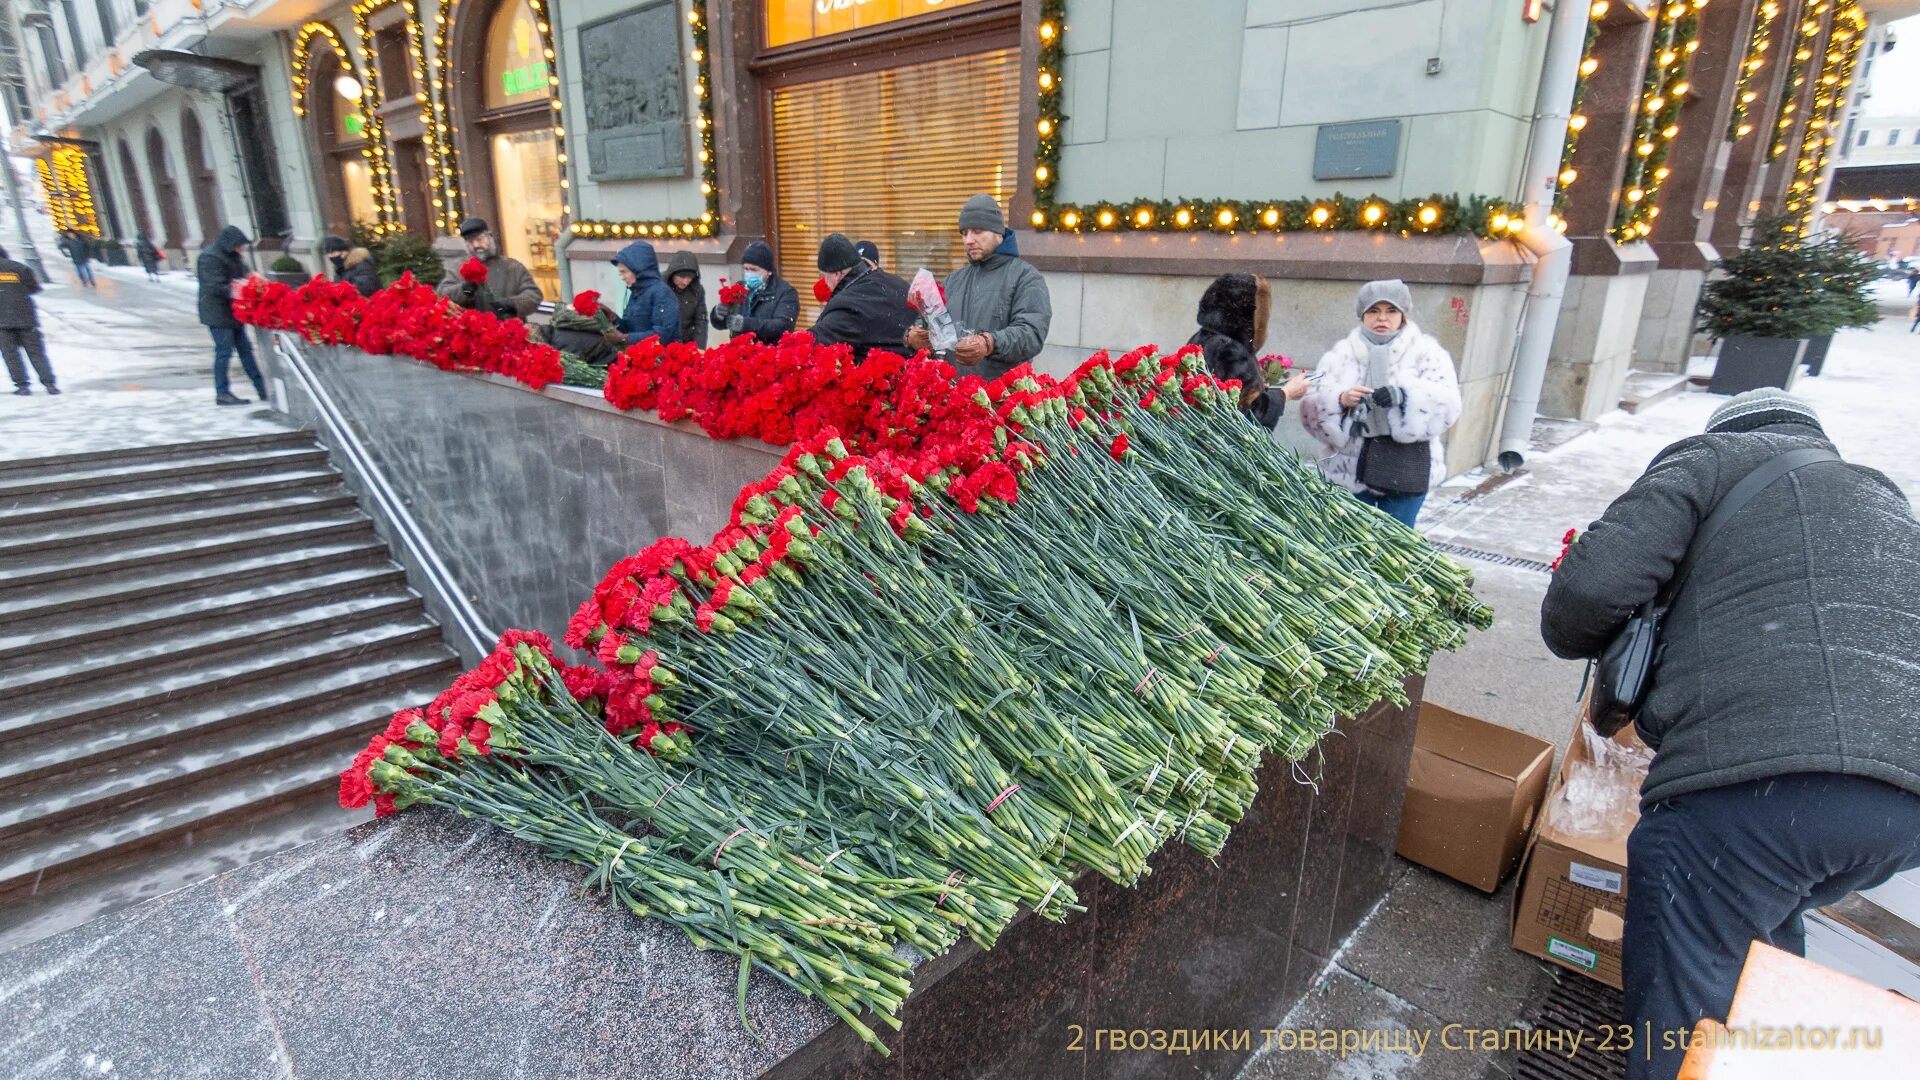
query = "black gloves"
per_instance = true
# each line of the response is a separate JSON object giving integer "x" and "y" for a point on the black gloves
{"x": 1389, "y": 396}
{"x": 505, "y": 310}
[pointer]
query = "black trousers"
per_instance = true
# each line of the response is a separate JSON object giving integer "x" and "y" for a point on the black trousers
{"x": 1711, "y": 872}
{"x": 17, "y": 339}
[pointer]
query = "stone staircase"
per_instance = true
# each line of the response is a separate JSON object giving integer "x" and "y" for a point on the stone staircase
{"x": 196, "y": 639}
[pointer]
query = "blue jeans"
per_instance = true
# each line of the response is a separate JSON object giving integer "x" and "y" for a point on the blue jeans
{"x": 85, "y": 270}
{"x": 1401, "y": 508}
{"x": 226, "y": 341}
{"x": 1710, "y": 872}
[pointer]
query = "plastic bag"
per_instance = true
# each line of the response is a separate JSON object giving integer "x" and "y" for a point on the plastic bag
{"x": 924, "y": 294}
{"x": 1602, "y": 792}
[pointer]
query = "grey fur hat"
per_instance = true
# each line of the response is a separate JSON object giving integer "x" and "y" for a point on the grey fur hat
{"x": 1392, "y": 290}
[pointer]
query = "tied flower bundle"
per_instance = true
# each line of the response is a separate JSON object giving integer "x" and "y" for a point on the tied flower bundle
{"x": 404, "y": 319}
{"x": 959, "y": 646}
{"x": 733, "y": 294}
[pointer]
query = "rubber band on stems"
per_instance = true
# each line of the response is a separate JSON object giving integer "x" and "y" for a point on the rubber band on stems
{"x": 1000, "y": 798}
{"x": 952, "y": 880}
{"x": 724, "y": 843}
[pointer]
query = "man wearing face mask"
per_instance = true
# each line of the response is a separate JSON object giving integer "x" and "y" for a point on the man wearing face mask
{"x": 865, "y": 308}
{"x": 515, "y": 293}
{"x": 352, "y": 265}
{"x": 998, "y": 300}
{"x": 772, "y": 306}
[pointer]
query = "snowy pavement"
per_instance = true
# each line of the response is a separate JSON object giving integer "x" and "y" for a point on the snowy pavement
{"x": 132, "y": 361}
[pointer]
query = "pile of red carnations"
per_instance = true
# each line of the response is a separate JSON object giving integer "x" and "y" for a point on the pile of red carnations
{"x": 403, "y": 319}
{"x": 965, "y": 643}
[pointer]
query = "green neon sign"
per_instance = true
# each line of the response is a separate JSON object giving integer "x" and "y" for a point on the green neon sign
{"x": 524, "y": 80}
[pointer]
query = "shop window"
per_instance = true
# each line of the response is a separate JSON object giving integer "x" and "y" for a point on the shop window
{"x": 526, "y": 171}
{"x": 510, "y": 156}
{"x": 790, "y": 21}
{"x": 516, "y": 60}
{"x": 396, "y": 65}
{"x": 889, "y": 156}
{"x": 1893, "y": 137}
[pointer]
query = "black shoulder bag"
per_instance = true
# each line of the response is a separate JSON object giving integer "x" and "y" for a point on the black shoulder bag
{"x": 1623, "y": 673}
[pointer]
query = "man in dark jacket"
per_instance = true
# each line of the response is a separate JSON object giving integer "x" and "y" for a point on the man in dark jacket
{"x": 998, "y": 301}
{"x": 772, "y": 306}
{"x": 220, "y": 266}
{"x": 20, "y": 327}
{"x": 515, "y": 293}
{"x": 652, "y": 309}
{"x": 1786, "y": 771}
{"x": 868, "y": 309}
{"x": 352, "y": 265}
{"x": 683, "y": 277}
{"x": 79, "y": 247}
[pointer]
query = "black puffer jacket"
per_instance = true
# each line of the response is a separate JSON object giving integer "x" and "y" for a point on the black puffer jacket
{"x": 693, "y": 299}
{"x": 1231, "y": 315}
{"x": 868, "y": 310}
{"x": 1792, "y": 647}
{"x": 217, "y": 268}
{"x": 769, "y": 312}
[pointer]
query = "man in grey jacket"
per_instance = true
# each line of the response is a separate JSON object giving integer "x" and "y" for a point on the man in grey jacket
{"x": 998, "y": 301}
{"x": 1782, "y": 713}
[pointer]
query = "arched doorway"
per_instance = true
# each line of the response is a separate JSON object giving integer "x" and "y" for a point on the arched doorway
{"x": 201, "y": 176}
{"x": 339, "y": 132}
{"x": 166, "y": 192}
{"x": 503, "y": 111}
{"x": 136, "y": 197}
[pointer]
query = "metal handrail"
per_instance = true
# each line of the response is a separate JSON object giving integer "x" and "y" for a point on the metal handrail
{"x": 440, "y": 580}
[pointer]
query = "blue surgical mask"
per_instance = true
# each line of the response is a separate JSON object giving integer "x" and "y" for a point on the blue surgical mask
{"x": 753, "y": 280}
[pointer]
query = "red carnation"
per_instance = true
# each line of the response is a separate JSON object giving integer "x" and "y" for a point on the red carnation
{"x": 586, "y": 303}
{"x": 1119, "y": 447}
{"x": 473, "y": 271}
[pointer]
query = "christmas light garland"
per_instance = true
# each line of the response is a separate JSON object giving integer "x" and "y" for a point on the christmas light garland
{"x": 69, "y": 191}
{"x": 1436, "y": 214}
{"x": 303, "y": 60}
{"x": 708, "y": 222}
{"x": 1663, "y": 92}
{"x": 1576, "y": 120}
{"x": 386, "y": 202}
{"x": 1847, "y": 34}
{"x": 1743, "y": 91}
{"x": 1810, "y": 27}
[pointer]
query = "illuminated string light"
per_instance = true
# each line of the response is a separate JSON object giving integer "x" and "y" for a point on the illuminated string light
{"x": 1664, "y": 87}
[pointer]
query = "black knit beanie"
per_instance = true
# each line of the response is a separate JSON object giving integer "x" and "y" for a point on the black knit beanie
{"x": 836, "y": 253}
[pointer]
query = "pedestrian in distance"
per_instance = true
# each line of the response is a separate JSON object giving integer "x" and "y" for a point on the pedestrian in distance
{"x": 221, "y": 268}
{"x": 1786, "y": 765}
{"x": 149, "y": 256}
{"x": 353, "y": 265}
{"x": 999, "y": 302}
{"x": 1913, "y": 278}
{"x": 20, "y": 327}
{"x": 683, "y": 277}
{"x": 509, "y": 290}
{"x": 865, "y": 308}
{"x": 869, "y": 253}
{"x": 1383, "y": 397}
{"x": 652, "y": 310}
{"x": 78, "y": 247}
{"x": 1233, "y": 326}
{"x": 772, "y": 306}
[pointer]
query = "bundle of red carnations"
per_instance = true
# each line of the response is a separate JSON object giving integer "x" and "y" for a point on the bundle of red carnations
{"x": 406, "y": 319}
{"x": 964, "y": 643}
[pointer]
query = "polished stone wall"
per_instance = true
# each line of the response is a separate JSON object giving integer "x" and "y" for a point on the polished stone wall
{"x": 527, "y": 496}
{"x": 427, "y": 945}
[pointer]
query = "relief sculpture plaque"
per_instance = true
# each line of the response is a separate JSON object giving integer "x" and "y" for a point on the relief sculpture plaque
{"x": 635, "y": 91}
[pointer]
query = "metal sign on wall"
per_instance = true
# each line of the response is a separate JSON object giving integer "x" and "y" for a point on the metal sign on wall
{"x": 635, "y": 94}
{"x": 1370, "y": 148}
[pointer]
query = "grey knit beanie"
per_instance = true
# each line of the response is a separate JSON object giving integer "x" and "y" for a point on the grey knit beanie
{"x": 1392, "y": 290}
{"x": 1758, "y": 408}
{"x": 982, "y": 212}
{"x": 836, "y": 253}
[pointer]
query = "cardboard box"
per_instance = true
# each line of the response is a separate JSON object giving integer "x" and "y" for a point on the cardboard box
{"x": 1473, "y": 791}
{"x": 1571, "y": 905}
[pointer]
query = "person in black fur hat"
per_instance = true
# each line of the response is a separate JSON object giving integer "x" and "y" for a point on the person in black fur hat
{"x": 1233, "y": 326}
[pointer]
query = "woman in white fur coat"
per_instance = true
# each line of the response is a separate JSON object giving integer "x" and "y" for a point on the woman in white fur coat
{"x": 1384, "y": 380}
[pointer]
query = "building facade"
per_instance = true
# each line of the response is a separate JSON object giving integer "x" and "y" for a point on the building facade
{"x": 1141, "y": 148}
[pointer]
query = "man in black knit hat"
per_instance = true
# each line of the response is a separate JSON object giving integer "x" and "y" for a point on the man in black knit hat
{"x": 865, "y": 308}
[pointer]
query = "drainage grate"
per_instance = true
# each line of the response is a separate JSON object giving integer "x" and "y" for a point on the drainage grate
{"x": 1492, "y": 557}
{"x": 1578, "y": 1004}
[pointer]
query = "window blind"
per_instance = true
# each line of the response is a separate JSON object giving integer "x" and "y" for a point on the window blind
{"x": 889, "y": 156}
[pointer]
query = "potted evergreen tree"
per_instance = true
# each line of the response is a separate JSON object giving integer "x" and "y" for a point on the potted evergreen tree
{"x": 1846, "y": 275}
{"x": 1765, "y": 304}
{"x": 287, "y": 269}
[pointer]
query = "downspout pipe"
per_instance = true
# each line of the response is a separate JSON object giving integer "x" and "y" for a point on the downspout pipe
{"x": 1553, "y": 253}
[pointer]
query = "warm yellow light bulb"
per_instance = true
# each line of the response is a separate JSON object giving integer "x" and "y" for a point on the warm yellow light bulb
{"x": 1070, "y": 219}
{"x": 1142, "y": 217}
{"x": 1568, "y": 176}
{"x": 1183, "y": 218}
{"x": 1224, "y": 218}
{"x": 1321, "y": 214}
{"x": 1046, "y": 127}
{"x": 1039, "y": 219}
{"x": 1599, "y": 9}
{"x": 1576, "y": 122}
{"x": 1106, "y": 218}
{"x": 1271, "y": 217}
{"x": 1429, "y": 214}
{"x": 1635, "y": 195}
{"x": 1589, "y": 66}
{"x": 1372, "y": 214}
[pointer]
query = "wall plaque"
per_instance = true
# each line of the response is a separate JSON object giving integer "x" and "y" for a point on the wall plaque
{"x": 635, "y": 93}
{"x": 1370, "y": 148}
